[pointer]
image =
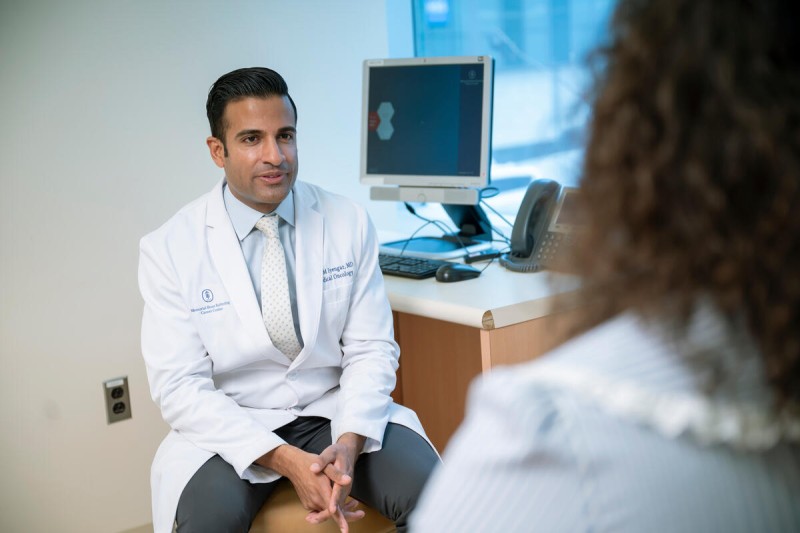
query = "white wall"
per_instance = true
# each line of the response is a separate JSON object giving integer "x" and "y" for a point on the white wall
{"x": 101, "y": 140}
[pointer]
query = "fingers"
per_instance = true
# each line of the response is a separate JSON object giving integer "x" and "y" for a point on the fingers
{"x": 324, "y": 459}
{"x": 333, "y": 503}
{"x": 331, "y": 464}
{"x": 317, "y": 517}
{"x": 327, "y": 457}
{"x": 340, "y": 516}
{"x": 350, "y": 505}
{"x": 341, "y": 520}
{"x": 314, "y": 490}
{"x": 333, "y": 473}
{"x": 326, "y": 462}
{"x": 337, "y": 498}
{"x": 337, "y": 476}
{"x": 349, "y": 511}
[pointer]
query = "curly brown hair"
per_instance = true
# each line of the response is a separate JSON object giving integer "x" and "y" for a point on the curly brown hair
{"x": 692, "y": 171}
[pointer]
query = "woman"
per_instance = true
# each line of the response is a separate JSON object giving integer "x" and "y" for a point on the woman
{"x": 678, "y": 410}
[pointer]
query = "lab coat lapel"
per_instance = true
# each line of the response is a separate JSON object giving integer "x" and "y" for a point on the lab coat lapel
{"x": 308, "y": 252}
{"x": 226, "y": 254}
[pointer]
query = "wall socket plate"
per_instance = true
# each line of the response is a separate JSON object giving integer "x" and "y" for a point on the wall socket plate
{"x": 118, "y": 399}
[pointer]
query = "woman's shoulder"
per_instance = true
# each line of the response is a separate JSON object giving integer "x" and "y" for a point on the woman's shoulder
{"x": 637, "y": 373}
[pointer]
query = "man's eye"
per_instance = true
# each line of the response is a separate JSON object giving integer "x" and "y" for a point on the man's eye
{"x": 288, "y": 136}
{"x": 250, "y": 139}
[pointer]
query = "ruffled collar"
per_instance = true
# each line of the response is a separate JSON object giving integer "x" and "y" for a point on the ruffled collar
{"x": 740, "y": 425}
{"x": 670, "y": 394}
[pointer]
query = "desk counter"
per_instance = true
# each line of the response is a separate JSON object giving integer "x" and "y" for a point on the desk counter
{"x": 496, "y": 299}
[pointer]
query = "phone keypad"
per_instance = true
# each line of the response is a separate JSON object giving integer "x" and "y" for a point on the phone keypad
{"x": 549, "y": 246}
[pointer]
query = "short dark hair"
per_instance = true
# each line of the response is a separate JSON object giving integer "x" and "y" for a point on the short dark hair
{"x": 258, "y": 82}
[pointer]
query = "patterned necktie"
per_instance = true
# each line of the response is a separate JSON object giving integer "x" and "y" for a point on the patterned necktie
{"x": 275, "y": 306}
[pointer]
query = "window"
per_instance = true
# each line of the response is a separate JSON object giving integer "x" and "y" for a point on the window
{"x": 540, "y": 49}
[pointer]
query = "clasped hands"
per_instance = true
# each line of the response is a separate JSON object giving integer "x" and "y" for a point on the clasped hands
{"x": 323, "y": 481}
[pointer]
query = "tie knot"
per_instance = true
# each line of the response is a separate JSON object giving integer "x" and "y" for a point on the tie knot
{"x": 268, "y": 226}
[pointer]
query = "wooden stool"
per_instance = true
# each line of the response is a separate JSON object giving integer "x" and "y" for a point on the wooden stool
{"x": 283, "y": 512}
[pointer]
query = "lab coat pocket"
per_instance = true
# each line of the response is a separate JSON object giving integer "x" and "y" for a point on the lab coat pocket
{"x": 336, "y": 293}
{"x": 336, "y": 303}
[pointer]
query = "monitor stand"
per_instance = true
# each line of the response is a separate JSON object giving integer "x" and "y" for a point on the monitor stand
{"x": 474, "y": 235}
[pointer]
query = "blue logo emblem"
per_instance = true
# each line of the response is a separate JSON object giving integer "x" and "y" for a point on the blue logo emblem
{"x": 207, "y": 295}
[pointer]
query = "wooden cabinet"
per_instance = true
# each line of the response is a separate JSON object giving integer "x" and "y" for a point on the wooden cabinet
{"x": 439, "y": 360}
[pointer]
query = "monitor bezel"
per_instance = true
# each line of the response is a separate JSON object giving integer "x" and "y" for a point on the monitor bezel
{"x": 421, "y": 180}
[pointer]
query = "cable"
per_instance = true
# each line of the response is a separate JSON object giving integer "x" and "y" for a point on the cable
{"x": 504, "y": 238}
{"x": 486, "y": 256}
{"x": 492, "y": 189}
{"x": 492, "y": 260}
{"x": 439, "y": 224}
{"x": 405, "y": 244}
{"x": 496, "y": 212}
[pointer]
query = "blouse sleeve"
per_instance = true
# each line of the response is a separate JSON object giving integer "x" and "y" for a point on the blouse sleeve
{"x": 511, "y": 466}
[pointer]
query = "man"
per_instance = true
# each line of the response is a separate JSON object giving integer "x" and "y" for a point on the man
{"x": 268, "y": 338}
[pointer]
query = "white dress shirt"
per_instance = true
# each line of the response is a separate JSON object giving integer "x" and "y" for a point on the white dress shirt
{"x": 252, "y": 241}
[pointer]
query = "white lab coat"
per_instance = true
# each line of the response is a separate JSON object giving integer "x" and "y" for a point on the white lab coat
{"x": 220, "y": 383}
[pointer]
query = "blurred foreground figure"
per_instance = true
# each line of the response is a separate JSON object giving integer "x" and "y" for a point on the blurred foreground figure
{"x": 677, "y": 408}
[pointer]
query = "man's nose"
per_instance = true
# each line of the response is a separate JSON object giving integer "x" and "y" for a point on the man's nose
{"x": 272, "y": 153}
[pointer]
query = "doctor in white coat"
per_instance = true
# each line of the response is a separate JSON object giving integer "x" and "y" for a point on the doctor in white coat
{"x": 242, "y": 412}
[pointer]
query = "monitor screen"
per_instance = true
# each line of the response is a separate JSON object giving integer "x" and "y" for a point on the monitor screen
{"x": 426, "y": 122}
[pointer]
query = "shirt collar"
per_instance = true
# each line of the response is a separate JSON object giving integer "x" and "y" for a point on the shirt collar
{"x": 244, "y": 217}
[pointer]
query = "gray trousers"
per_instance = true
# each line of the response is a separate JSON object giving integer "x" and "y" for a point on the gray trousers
{"x": 217, "y": 500}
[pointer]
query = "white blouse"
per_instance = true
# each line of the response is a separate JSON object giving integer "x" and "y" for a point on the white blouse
{"x": 623, "y": 429}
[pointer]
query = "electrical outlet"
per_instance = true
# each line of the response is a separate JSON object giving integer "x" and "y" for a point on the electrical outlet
{"x": 118, "y": 399}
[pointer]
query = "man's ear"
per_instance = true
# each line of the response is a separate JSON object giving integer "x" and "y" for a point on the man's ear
{"x": 217, "y": 150}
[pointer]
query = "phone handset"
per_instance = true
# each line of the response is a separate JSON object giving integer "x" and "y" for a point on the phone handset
{"x": 533, "y": 218}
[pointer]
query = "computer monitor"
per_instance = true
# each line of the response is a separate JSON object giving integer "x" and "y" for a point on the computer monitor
{"x": 426, "y": 137}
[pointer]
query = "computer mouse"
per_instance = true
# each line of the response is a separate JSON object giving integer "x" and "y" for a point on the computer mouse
{"x": 456, "y": 272}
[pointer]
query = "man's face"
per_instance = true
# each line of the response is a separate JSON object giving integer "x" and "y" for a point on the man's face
{"x": 261, "y": 163}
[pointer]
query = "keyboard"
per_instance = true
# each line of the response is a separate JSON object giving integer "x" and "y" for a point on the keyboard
{"x": 409, "y": 267}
